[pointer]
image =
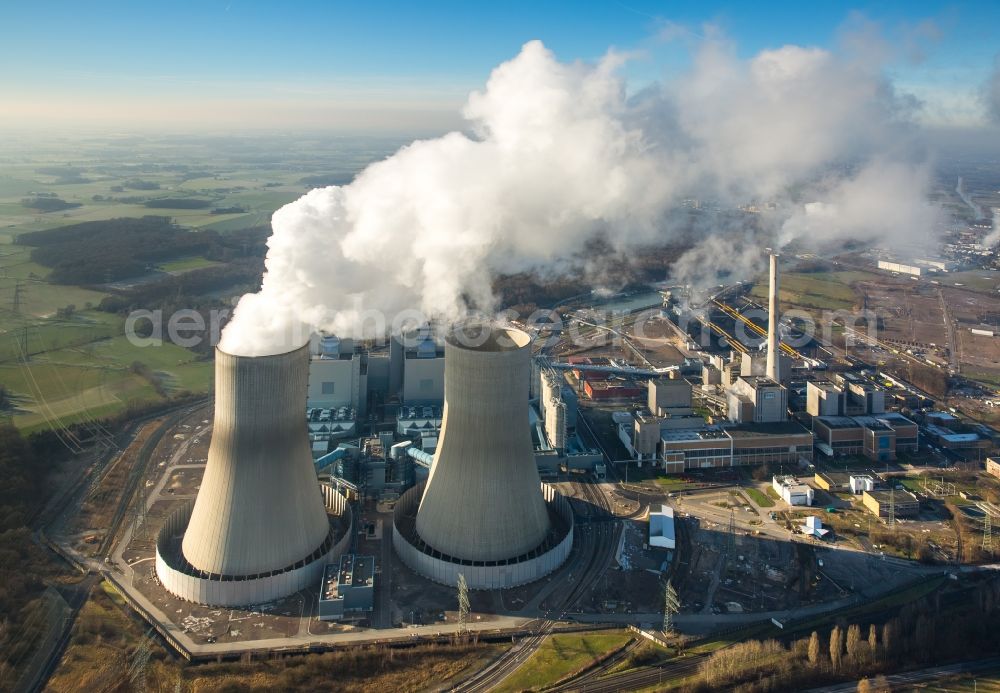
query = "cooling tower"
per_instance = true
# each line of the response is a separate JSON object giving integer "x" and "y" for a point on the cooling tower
{"x": 483, "y": 511}
{"x": 259, "y": 522}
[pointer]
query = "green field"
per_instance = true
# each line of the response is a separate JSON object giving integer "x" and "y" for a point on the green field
{"x": 78, "y": 362}
{"x": 759, "y": 498}
{"x": 824, "y": 290}
{"x": 81, "y": 369}
{"x": 563, "y": 654}
{"x": 186, "y": 264}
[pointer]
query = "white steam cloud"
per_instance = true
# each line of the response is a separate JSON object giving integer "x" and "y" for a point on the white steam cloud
{"x": 561, "y": 154}
{"x": 991, "y": 92}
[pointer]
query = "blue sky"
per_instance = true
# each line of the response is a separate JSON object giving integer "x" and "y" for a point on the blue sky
{"x": 349, "y": 65}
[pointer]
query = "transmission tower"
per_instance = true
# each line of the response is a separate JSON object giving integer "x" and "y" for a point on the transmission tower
{"x": 987, "y": 533}
{"x": 18, "y": 294}
{"x": 137, "y": 663}
{"x": 671, "y": 607}
{"x": 463, "y": 604}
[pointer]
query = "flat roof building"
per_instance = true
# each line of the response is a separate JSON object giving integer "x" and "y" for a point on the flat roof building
{"x": 903, "y": 503}
{"x": 745, "y": 444}
{"x": 832, "y": 481}
{"x": 875, "y": 437}
{"x": 348, "y": 587}
{"x": 757, "y": 399}
{"x": 792, "y": 491}
{"x": 823, "y": 398}
{"x": 661, "y": 528}
{"x": 993, "y": 466}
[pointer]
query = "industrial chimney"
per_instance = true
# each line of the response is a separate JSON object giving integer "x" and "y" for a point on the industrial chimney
{"x": 258, "y": 529}
{"x": 773, "y": 341}
{"x": 483, "y": 511}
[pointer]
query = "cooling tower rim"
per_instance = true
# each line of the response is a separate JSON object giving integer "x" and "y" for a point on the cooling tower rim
{"x": 260, "y": 357}
{"x": 502, "y": 338}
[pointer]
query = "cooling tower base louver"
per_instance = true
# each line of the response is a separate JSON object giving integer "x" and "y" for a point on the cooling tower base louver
{"x": 498, "y": 574}
{"x": 183, "y": 580}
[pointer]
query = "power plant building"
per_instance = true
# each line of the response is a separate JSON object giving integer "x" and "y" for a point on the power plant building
{"x": 669, "y": 395}
{"x": 347, "y": 587}
{"x": 715, "y": 447}
{"x": 823, "y": 398}
{"x": 757, "y": 399}
{"x": 423, "y": 371}
{"x": 483, "y": 511}
{"x": 259, "y": 528}
{"x": 876, "y": 437}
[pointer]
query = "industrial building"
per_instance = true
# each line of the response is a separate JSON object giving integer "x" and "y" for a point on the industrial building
{"x": 993, "y": 466}
{"x": 860, "y": 483}
{"x": 668, "y": 396}
{"x": 792, "y": 491}
{"x": 814, "y": 527}
{"x": 755, "y": 363}
{"x": 900, "y": 268}
{"x": 338, "y": 376}
{"x": 732, "y": 446}
{"x": 423, "y": 369}
{"x": 258, "y": 529}
{"x": 661, "y": 528}
{"x": 875, "y": 437}
{"x": 823, "y": 398}
{"x": 835, "y": 482}
{"x": 347, "y": 588}
{"x": 483, "y": 511}
{"x": 757, "y": 399}
{"x": 950, "y": 439}
{"x": 895, "y": 503}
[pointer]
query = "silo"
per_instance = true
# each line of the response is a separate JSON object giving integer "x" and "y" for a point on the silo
{"x": 258, "y": 529}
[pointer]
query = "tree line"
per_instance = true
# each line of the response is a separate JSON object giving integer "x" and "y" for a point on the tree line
{"x": 932, "y": 630}
{"x": 96, "y": 252}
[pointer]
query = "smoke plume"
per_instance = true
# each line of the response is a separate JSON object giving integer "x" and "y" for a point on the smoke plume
{"x": 559, "y": 153}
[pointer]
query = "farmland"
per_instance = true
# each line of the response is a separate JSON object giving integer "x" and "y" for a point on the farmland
{"x": 64, "y": 356}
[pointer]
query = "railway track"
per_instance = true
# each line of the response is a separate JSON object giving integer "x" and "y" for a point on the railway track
{"x": 595, "y": 545}
{"x": 137, "y": 474}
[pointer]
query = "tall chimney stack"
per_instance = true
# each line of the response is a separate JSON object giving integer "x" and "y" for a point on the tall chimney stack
{"x": 773, "y": 353}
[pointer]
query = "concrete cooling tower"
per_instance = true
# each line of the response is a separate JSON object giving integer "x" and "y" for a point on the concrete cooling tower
{"x": 259, "y": 528}
{"x": 483, "y": 511}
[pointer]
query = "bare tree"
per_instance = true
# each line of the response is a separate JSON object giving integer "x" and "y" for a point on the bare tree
{"x": 836, "y": 646}
{"x": 814, "y": 649}
{"x": 864, "y": 686}
{"x": 853, "y": 643}
{"x": 873, "y": 640}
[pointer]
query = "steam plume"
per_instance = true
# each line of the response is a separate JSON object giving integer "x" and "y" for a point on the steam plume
{"x": 561, "y": 153}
